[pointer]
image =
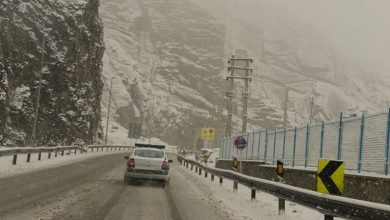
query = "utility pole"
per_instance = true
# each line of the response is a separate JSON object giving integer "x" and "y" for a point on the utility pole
{"x": 229, "y": 95}
{"x": 311, "y": 109}
{"x": 285, "y": 108}
{"x": 108, "y": 112}
{"x": 150, "y": 121}
{"x": 245, "y": 94}
{"x": 34, "y": 129}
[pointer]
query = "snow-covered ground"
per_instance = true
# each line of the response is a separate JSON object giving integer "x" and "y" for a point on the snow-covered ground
{"x": 7, "y": 169}
{"x": 239, "y": 205}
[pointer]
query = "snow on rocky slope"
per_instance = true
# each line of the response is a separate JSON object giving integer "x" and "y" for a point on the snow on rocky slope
{"x": 70, "y": 64}
{"x": 172, "y": 55}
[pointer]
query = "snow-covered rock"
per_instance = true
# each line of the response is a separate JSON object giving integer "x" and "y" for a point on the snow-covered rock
{"x": 72, "y": 36}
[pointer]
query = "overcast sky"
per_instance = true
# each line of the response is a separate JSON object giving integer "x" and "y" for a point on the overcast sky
{"x": 359, "y": 29}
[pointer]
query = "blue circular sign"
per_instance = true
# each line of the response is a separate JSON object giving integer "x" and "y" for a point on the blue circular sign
{"x": 240, "y": 143}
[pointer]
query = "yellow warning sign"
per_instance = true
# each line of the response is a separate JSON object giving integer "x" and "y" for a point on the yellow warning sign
{"x": 330, "y": 177}
{"x": 207, "y": 134}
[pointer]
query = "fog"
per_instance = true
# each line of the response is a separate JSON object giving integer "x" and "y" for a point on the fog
{"x": 357, "y": 29}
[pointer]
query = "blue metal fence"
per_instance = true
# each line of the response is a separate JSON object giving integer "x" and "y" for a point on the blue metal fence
{"x": 362, "y": 143}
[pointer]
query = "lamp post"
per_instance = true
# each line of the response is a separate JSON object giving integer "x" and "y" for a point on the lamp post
{"x": 34, "y": 129}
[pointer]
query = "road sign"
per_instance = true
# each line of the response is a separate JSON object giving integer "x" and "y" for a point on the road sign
{"x": 240, "y": 143}
{"x": 135, "y": 130}
{"x": 330, "y": 178}
{"x": 279, "y": 169}
{"x": 207, "y": 134}
{"x": 235, "y": 164}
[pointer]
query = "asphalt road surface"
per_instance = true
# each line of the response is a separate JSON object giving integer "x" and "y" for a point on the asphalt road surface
{"x": 94, "y": 189}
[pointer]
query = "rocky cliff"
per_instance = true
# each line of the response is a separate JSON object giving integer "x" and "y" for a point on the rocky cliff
{"x": 165, "y": 59}
{"x": 58, "y": 44}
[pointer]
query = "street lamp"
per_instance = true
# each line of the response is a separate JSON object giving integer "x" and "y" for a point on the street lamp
{"x": 33, "y": 135}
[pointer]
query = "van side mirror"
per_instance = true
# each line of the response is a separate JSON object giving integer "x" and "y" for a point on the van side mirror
{"x": 127, "y": 157}
{"x": 170, "y": 161}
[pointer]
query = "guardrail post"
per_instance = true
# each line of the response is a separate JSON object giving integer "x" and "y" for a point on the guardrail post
{"x": 322, "y": 138}
{"x": 273, "y": 155}
{"x": 14, "y": 160}
{"x": 361, "y": 140}
{"x": 196, "y": 169}
{"x": 200, "y": 171}
{"x": 339, "y": 145}
{"x": 307, "y": 144}
{"x": 235, "y": 185}
{"x": 328, "y": 217}
{"x": 62, "y": 153}
{"x": 220, "y": 180}
{"x": 192, "y": 167}
{"x": 49, "y": 155}
{"x": 282, "y": 206}
{"x": 253, "y": 194}
{"x": 205, "y": 174}
{"x": 212, "y": 177}
{"x": 187, "y": 165}
{"x": 75, "y": 151}
{"x": 39, "y": 156}
{"x": 294, "y": 146}
{"x": 387, "y": 149}
{"x": 28, "y": 157}
{"x": 266, "y": 145}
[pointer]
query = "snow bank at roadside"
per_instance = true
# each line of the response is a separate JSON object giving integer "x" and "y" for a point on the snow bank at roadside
{"x": 239, "y": 205}
{"x": 7, "y": 169}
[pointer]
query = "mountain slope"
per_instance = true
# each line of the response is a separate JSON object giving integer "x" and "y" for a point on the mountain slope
{"x": 168, "y": 60}
{"x": 64, "y": 41}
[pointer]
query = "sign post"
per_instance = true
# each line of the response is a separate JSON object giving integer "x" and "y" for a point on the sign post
{"x": 279, "y": 173}
{"x": 240, "y": 143}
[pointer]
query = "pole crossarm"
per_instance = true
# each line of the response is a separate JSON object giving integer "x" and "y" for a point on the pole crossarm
{"x": 239, "y": 68}
{"x": 238, "y": 77}
{"x": 240, "y": 59}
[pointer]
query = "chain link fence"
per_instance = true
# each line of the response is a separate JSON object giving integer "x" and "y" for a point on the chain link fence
{"x": 362, "y": 143}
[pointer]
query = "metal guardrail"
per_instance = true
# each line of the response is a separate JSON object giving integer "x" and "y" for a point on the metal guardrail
{"x": 363, "y": 143}
{"x": 330, "y": 205}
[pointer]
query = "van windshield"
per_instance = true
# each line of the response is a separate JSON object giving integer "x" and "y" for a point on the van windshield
{"x": 149, "y": 153}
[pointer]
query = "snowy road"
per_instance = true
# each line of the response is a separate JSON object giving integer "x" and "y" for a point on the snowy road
{"x": 94, "y": 189}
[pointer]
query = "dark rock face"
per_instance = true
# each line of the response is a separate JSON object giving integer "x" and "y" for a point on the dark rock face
{"x": 72, "y": 36}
